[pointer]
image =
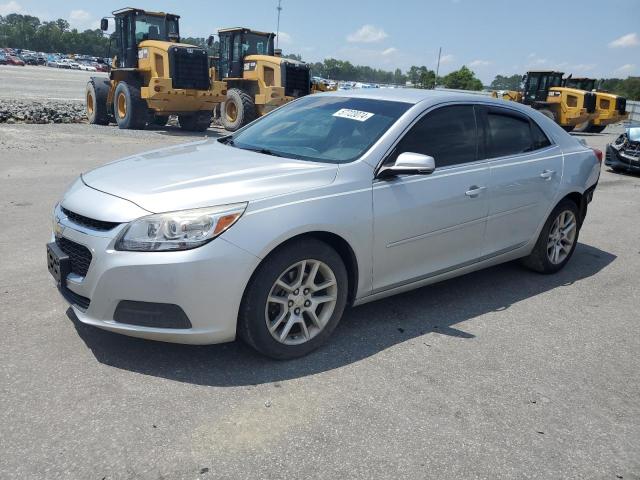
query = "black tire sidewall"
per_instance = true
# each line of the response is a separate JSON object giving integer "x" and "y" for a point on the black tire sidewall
{"x": 244, "y": 107}
{"x": 252, "y": 327}
{"x": 541, "y": 245}
{"x": 133, "y": 105}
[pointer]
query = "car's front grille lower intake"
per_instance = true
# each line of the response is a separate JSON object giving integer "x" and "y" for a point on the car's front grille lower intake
{"x": 79, "y": 255}
{"x": 90, "y": 223}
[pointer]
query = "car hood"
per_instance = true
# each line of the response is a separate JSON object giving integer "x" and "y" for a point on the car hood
{"x": 204, "y": 174}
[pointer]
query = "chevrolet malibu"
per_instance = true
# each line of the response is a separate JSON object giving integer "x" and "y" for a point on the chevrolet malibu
{"x": 332, "y": 200}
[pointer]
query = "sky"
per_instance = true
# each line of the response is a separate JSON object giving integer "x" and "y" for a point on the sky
{"x": 583, "y": 37}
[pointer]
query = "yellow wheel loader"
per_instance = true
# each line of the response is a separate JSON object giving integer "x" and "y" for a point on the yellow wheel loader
{"x": 153, "y": 76}
{"x": 543, "y": 91}
{"x": 609, "y": 107}
{"x": 258, "y": 79}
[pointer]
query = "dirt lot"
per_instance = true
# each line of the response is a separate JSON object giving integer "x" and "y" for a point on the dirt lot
{"x": 499, "y": 374}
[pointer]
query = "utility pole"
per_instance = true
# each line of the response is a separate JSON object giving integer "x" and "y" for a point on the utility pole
{"x": 435, "y": 83}
{"x": 279, "y": 8}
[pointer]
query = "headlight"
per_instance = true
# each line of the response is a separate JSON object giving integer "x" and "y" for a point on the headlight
{"x": 181, "y": 230}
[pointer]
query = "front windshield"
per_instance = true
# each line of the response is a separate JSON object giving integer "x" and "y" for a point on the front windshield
{"x": 321, "y": 128}
{"x": 151, "y": 27}
{"x": 253, "y": 44}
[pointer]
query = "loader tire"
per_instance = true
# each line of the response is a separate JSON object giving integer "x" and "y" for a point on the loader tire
{"x": 198, "y": 122}
{"x": 237, "y": 110}
{"x": 596, "y": 128}
{"x": 129, "y": 108}
{"x": 160, "y": 120}
{"x": 548, "y": 113}
{"x": 96, "y": 101}
{"x": 583, "y": 127}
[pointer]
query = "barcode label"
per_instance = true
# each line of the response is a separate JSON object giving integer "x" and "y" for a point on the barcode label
{"x": 353, "y": 114}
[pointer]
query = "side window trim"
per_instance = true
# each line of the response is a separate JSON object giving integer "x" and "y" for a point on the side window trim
{"x": 418, "y": 118}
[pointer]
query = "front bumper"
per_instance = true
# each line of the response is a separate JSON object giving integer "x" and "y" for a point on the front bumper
{"x": 207, "y": 283}
{"x": 618, "y": 160}
{"x": 163, "y": 98}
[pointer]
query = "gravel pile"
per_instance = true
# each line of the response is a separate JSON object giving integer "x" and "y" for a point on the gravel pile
{"x": 38, "y": 111}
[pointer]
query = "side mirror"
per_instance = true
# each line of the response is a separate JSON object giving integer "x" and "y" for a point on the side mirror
{"x": 104, "y": 24}
{"x": 409, "y": 163}
{"x": 210, "y": 41}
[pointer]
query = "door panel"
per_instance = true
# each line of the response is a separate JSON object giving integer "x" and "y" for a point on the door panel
{"x": 426, "y": 224}
{"x": 523, "y": 179}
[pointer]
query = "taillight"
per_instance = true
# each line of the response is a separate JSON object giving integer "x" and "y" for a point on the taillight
{"x": 598, "y": 153}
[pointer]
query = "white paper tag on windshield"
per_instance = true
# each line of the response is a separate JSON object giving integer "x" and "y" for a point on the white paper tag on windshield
{"x": 358, "y": 115}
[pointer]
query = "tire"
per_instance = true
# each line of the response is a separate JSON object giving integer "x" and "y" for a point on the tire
{"x": 96, "y": 101}
{"x": 596, "y": 128}
{"x": 198, "y": 122}
{"x": 548, "y": 113}
{"x": 583, "y": 127}
{"x": 237, "y": 110}
{"x": 539, "y": 260}
{"x": 129, "y": 108}
{"x": 160, "y": 120}
{"x": 256, "y": 310}
{"x": 569, "y": 128}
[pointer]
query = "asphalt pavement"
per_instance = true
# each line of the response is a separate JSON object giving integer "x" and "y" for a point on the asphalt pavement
{"x": 498, "y": 374}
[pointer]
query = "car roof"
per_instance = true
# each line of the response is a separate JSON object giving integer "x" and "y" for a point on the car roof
{"x": 415, "y": 95}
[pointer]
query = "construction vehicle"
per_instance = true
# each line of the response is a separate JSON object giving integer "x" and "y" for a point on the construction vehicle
{"x": 258, "y": 78}
{"x": 319, "y": 85}
{"x": 610, "y": 108}
{"x": 153, "y": 76}
{"x": 544, "y": 91}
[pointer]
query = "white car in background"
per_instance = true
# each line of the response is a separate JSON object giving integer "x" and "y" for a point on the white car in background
{"x": 86, "y": 67}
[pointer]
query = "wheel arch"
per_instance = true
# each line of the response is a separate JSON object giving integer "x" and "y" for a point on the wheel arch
{"x": 581, "y": 202}
{"x": 335, "y": 241}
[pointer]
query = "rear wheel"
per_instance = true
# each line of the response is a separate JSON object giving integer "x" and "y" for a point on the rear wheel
{"x": 583, "y": 127}
{"x": 557, "y": 240}
{"x": 597, "y": 128}
{"x": 569, "y": 128}
{"x": 294, "y": 300}
{"x": 128, "y": 107}
{"x": 96, "y": 98}
{"x": 160, "y": 120}
{"x": 237, "y": 110}
{"x": 198, "y": 122}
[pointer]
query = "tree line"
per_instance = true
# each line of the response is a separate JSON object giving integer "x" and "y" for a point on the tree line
{"x": 28, "y": 32}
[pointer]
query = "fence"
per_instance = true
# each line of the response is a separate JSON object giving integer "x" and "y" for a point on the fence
{"x": 634, "y": 111}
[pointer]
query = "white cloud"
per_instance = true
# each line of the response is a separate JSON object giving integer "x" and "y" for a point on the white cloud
{"x": 628, "y": 40}
{"x": 446, "y": 59}
{"x": 284, "y": 38}
{"x": 389, "y": 51}
{"x": 367, "y": 34}
{"x": 627, "y": 68}
{"x": 10, "y": 7}
{"x": 82, "y": 20}
{"x": 479, "y": 63}
{"x": 583, "y": 67}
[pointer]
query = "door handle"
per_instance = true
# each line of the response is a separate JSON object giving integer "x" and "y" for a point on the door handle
{"x": 474, "y": 191}
{"x": 547, "y": 174}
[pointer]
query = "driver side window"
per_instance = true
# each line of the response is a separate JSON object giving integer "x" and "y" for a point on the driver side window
{"x": 448, "y": 134}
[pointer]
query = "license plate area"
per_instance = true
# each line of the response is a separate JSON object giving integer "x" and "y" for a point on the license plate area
{"x": 58, "y": 264}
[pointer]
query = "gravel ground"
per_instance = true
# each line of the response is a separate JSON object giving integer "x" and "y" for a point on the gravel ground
{"x": 43, "y": 83}
{"x": 498, "y": 374}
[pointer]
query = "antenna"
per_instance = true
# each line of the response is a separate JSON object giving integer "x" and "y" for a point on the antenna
{"x": 279, "y": 8}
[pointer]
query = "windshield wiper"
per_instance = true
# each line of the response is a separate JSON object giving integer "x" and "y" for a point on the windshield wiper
{"x": 264, "y": 151}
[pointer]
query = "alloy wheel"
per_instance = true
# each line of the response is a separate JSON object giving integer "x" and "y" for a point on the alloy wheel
{"x": 562, "y": 236}
{"x": 301, "y": 302}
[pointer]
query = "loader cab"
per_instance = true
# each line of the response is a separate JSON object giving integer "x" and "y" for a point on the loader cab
{"x": 536, "y": 85}
{"x": 133, "y": 26}
{"x": 238, "y": 43}
{"x": 588, "y": 84}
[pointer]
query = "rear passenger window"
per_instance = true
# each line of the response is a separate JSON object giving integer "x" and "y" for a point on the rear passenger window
{"x": 448, "y": 134}
{"x": 511, "y": 134}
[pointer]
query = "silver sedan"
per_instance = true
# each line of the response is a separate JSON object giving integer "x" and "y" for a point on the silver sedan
{"x": 332, "y": 200}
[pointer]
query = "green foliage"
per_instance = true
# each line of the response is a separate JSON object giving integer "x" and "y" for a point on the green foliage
{"x": 463, "y": 79}
{"x": 628, "y": 88}
{"x": 502, "y": 82}
{"x": 202, "y": 43}
{"x": 421, "y": 77}
{"x": 345, "y": 70}
{"x": 26, "y": 31}
{"x": 293, "y": 56}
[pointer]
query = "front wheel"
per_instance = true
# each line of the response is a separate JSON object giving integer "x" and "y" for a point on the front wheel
{"x": 597, "y": 128}
{"x": 557, "y": 240}
{"x": 198, "y": 122}
{"x": 294, "y": 300}
{"x": 237, "y": 110}
{"x": 129, "y": 108}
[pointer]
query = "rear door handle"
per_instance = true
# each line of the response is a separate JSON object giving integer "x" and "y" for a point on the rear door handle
{"x": 474, "y": 191}
{"x": 547, "y": 174}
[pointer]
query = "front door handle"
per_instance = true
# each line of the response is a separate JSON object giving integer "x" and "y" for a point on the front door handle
{"x": 547, "y": 174}
{"x": 474, "y": 191}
